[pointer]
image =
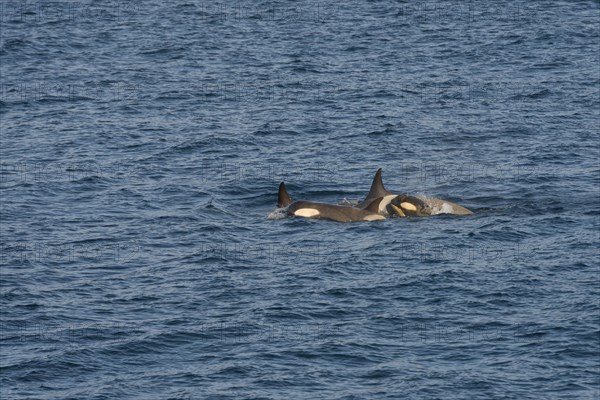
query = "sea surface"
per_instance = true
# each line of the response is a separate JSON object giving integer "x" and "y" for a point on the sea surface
{"x": 142, "y": 144}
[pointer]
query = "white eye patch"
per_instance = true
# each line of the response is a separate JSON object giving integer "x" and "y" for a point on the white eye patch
{"x": 306, "y": 212}
{"x": 408, "y": 206}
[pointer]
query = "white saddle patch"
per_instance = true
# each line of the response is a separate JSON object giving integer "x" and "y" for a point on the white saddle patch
{"x": 385, "y": 201}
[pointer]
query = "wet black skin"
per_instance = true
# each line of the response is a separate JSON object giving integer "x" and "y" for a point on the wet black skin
{"x": 422, "y": 208}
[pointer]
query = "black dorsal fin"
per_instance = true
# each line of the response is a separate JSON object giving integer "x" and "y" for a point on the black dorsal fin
{"x": 283, "y": 199}
{"x": 374, "y": 206}
{"x": 377, "y": 188}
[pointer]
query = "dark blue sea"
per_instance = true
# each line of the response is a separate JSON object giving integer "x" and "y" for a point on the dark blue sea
{"x": 142, "y": 145}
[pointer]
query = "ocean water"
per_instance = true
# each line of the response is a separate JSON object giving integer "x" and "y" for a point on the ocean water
{"x": 142, "y": 144}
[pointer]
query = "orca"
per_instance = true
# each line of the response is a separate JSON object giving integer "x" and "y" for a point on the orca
{"x": 404, "y": 205}
{"x": 377, "y": 193}
{"x": 331, "y": 212}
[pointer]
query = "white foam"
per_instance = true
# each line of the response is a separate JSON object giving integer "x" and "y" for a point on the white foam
{"x": 346, "y": 202}
{"x": 278, "y": 213}
{"x": 445, "y": 208}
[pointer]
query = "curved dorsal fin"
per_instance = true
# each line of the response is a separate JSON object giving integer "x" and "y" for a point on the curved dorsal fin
{"x": 374, "y": 206}
{"x": 283, "y": 198}
{"x": 377, "y": 188}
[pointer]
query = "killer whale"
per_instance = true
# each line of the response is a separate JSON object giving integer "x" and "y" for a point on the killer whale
{"x": 332, "y": 212}
{"x": 378, "y": 195}
{"x": 404, "y": 205}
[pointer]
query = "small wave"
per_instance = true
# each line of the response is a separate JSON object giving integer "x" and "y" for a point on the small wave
{"x": 346, "y": 202}
{"x": 444, "y": 208}
{"x": 279, "y": 213}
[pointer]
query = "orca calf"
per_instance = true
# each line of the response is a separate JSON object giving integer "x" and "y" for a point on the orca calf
{"x": 314, "y": 210}
{"x": 404, "y": 205}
